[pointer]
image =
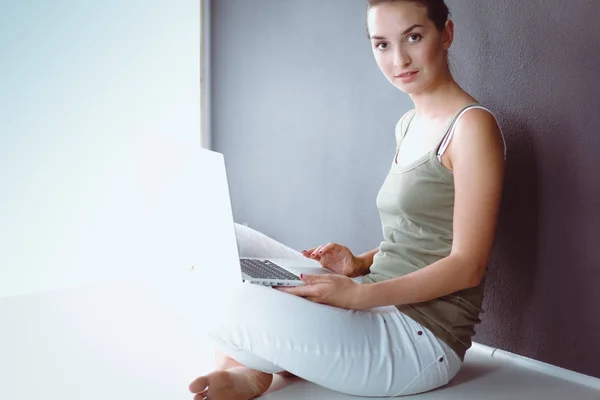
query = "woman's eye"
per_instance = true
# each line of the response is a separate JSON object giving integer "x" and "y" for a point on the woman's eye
{"x": 415, "y": 37}
{"x": 381, "y": 46}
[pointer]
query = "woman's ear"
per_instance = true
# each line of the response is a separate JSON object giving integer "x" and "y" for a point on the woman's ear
{"x": 448, "y": 34}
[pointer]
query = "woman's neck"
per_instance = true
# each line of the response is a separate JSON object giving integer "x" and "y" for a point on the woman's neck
{"x": 440, "y": 99}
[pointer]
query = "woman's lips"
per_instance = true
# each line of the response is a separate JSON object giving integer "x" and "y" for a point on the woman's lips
{"x": 406, "y": 77}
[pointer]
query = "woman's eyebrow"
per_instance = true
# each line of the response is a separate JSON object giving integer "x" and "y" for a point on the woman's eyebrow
{"x": 405, "y": 32}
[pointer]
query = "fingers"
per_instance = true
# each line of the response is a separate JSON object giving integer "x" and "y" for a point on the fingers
{"x": 302, "y": 291}
{"x": 314, "y": 299}
{"x": 307, "y": 253}
{"x": 308, "y": 289}
{"x": 306, "y": 292}
{"x": 327, "y": 248}
{"x": 313, "y": 279}
{"x": 317, "y": 252}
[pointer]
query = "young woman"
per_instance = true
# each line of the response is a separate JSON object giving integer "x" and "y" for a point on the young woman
{"x": 405, "y": 329}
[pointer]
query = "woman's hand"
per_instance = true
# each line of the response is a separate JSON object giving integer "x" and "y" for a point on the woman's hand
{"x": 337, "y": 258}
{"x": 333, "y": 290}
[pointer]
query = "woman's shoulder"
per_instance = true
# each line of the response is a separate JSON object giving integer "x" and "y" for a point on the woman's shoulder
{"x": 475, "y": 116}
{"x": 475, "y": 113}
{"x": 478, "y": 123}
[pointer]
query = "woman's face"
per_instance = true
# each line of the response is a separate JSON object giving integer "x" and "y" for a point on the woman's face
{"x": 408, "y": 48}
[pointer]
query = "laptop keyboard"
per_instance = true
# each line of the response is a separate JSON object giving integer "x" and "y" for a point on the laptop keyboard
{"x": 265, "y": 269}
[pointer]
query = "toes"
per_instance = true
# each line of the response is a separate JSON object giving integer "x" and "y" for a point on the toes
{"x": 202, "y": 396}
{"x": 199, "y": 385}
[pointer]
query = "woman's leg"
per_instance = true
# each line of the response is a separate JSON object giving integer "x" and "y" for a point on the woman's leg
{"x": 224, "y": 362}
{"x": 251, "y": 243}
{"x": 380, "y": 352}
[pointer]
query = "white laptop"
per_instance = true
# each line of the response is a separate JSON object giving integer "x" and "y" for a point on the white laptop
{"x": 272, "y": 271}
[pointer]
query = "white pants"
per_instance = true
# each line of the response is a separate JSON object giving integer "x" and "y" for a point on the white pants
{"x": 377, "y": 353}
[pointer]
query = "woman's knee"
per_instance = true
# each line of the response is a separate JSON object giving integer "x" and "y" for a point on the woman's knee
{"x": 234, "y": 310}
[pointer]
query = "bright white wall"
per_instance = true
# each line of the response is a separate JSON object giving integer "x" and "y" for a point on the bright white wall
{"x": 91, "y": 94}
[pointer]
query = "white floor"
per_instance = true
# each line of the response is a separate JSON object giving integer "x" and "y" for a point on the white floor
{"x": 145, "y": 341}
{"x": 482, "y": 377}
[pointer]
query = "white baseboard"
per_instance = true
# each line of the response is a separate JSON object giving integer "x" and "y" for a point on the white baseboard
{"x": 538, "y": 366}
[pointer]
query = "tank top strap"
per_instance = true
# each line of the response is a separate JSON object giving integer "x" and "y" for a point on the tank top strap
{"x": 404, "y": 125}
{"x": 450, "y": 129}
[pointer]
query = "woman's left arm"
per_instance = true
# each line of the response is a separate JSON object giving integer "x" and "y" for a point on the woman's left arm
{"x": 476, "y": 157}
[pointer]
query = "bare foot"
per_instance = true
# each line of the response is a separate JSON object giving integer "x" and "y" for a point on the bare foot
{"x": 224, "y": 362}
{"x": 239, "y": 383}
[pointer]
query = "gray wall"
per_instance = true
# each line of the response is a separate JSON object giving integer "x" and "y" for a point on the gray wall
{"x": 305, "y": 120}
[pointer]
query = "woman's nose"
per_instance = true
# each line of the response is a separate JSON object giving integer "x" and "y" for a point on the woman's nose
{"x": 401, "y": 58}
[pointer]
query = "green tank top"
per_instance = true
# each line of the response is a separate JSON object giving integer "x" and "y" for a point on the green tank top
{"x": 416, "y": 206}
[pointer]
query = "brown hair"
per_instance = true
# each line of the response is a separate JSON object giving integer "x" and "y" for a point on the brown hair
{"x": 437, "y": 10}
